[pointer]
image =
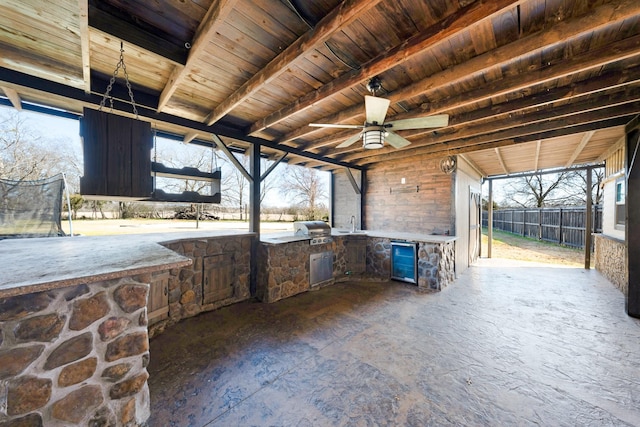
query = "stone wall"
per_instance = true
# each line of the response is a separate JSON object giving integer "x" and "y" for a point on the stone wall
{"x": 283, "y": 269}
{"x": 75, "y": 356}
{"x": 379, "y": 257}
{"x": 611, "y": 261}
{"x": 185, "y": 296}
{"x": 436, "y": 262}
{"x": 436, "y": 265}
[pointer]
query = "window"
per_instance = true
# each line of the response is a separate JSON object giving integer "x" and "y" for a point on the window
{"x": 621, "y": 197}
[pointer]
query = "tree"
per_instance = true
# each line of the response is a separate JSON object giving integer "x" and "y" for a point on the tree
{"x": 580, "y": 181}
{"x": 25, "y": 155}
{"x": 175, "y": 155}
{"x": 567, "y": 188}
{"x": 76, "y": 203}
{"x": 235, "y": 186}
{"x": 306, "y": 187}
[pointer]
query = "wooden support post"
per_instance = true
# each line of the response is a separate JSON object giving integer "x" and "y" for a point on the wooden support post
{"x": 254, "y": 213}
{"x": 490, "y": 220}
{"x": 632, "y": 225}
{"x": 588, "y": 227}
{"x": 560, "y": 228}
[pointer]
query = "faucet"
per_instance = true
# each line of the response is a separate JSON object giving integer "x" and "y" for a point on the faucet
{"x": 353, "y": 223}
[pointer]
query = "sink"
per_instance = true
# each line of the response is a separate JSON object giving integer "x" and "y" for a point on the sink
{"x": 351, "y": 232}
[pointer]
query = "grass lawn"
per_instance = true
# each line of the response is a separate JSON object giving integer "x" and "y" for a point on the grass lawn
{"x": 513, "y": 246}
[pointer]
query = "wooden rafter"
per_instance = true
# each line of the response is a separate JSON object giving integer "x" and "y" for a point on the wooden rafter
{"x": 531, "y": 129}
{"x": 583, "y": 143}
{"x": 13, "y": 96}
{"x": 212, "y": 21}
{"x": 189, "y": 137}
{"x": 472, "y": 146}
{"x": 627, "y": 77}
{"x": 501, "y": 160}
{"x": 603, "y": 15}
{"x": 438, "y": 33}
{"x": 540, "y": 118}
{"x": 334, "y": 21}
{"x": 473, "y": 165}
{"x": 83, "y": 22}
{"x": 536, "y": 160}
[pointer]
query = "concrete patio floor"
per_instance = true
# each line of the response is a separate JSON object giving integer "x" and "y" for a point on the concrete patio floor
{"x": 509, "y": 343}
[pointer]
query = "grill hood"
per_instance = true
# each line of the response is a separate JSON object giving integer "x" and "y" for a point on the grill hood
{"x": 311, "y": 228}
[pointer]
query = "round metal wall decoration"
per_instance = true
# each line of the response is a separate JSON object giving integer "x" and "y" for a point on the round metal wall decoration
{"x": 448, "y": 164}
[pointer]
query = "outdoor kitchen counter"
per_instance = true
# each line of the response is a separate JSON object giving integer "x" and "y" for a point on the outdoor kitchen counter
{"x": 41, "y": 264}
{"x": 397, "y": 235}
{"x": 282, "y": 238}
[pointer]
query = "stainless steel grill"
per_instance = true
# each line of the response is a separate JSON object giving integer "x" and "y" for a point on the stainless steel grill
{"x": 318, "y": 231}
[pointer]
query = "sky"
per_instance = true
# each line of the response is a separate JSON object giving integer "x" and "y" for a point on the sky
{"x": 51, "y": 127}
{"x": 67, "y": 130}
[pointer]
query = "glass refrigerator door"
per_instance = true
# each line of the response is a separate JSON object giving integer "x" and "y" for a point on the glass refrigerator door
{"x": 403, "y": 262}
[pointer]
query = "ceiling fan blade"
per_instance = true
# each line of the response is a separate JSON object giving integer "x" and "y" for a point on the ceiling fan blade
{"x": 349, "y": 141}
{"x": 329, "y": 125}
{"x": 396, "y": 140}
{"x": 375, "y": 109}
{"x": 435, "y": 121}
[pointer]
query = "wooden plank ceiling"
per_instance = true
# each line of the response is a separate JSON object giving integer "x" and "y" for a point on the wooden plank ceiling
{"x": 526, "y": 84}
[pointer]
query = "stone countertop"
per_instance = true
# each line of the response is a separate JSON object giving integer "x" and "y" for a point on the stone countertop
{"x": 41, "y": 264}
{"x": 413, "y": 237}
{"x": 283, "y": 237}
{"x": 280, "y": 238}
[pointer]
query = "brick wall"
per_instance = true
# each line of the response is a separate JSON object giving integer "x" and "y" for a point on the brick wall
{"x": 423, "y": 204}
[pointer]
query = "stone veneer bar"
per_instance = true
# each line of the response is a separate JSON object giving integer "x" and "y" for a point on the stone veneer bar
{"x": 73, "y": 329}
{"x": 74, "y": 332}
{"x": 611, "y": 261}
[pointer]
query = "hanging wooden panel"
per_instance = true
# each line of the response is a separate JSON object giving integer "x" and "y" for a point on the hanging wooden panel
{"x": 117, "y": 155}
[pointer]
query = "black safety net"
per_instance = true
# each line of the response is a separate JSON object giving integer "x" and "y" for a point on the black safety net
{"x": 31, "y": 208}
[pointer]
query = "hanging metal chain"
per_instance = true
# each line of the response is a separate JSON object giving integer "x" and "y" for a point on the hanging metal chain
{"x": 107, "y": 93}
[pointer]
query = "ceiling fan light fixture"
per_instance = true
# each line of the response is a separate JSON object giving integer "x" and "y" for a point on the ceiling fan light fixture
{"x": 373, "y": 139}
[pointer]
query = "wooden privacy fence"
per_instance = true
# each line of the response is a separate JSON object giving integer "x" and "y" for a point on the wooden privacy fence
{"x": 565, "y": 226}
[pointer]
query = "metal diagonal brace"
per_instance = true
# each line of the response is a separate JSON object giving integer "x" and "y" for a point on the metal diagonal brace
{"x": 354, "y": 184}
{"x": 272, "y": 167}
{"x": 231, "y": 157}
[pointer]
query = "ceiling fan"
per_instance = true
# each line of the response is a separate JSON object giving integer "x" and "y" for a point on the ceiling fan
{"x": 375, "y": 131}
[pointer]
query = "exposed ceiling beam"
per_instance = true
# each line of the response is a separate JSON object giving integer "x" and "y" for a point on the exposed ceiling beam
{"x": 334, "y": 21}
{"x": 212, "y": 21}
{"x": 13, "y": 96}
{"x": 459, "y": 21}
{"x": 541, "y": 118}
{"x": 92, "y": 100}
{"x": 501, "y": 160}
{"x": 111, "y": 20}
{"x": 537, "y": 157}
{"x": 583, "y": 143}
{"x": 527, "y": 133}
{"x": 55, "y": 71}
{"x": 189, "y": 137}
{"x": 612, "y": 149}
{"x": 473, "y": 165}
{"x": 452, "y": 148}
{"x": 596, "y": 18}
{"x": 609, "y": 81}
{"x": 83, "y": 20}
{"x": 532, "y": 129}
